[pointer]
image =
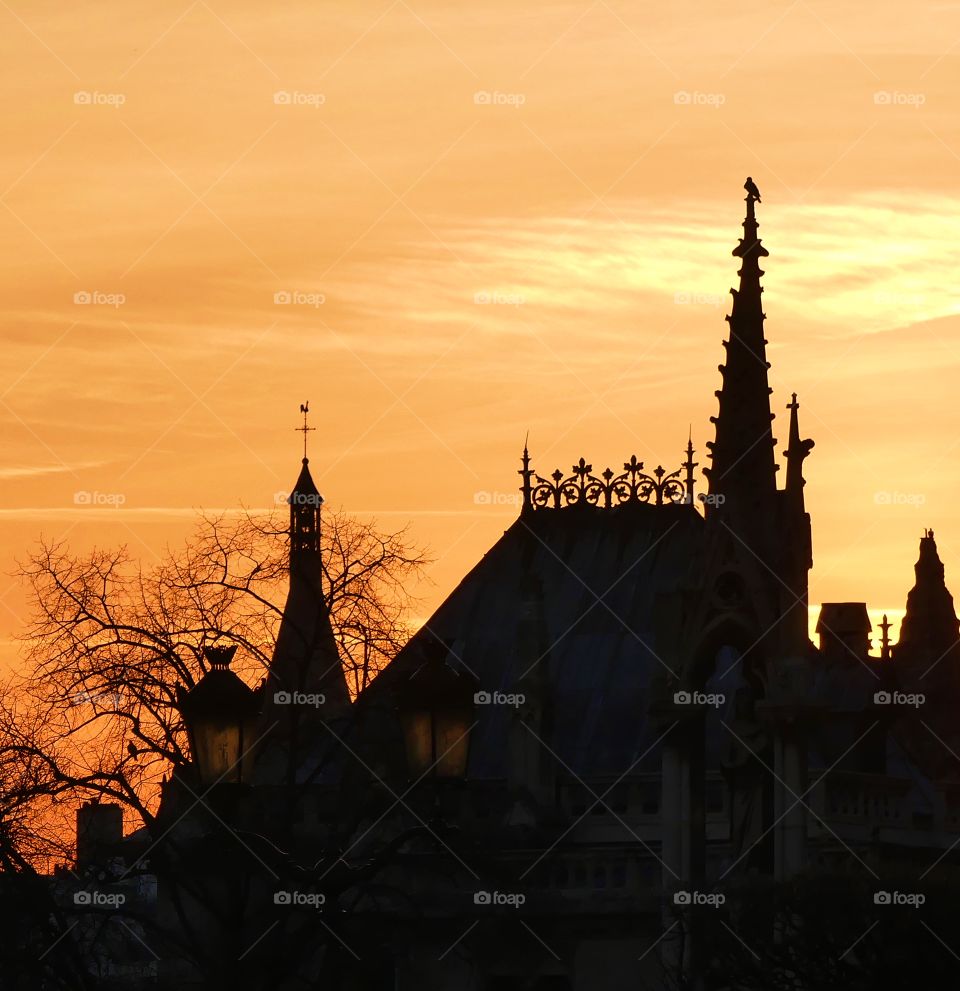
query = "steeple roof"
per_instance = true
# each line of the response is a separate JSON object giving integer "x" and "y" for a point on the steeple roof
{"x": 930, "y": 625}
{"x": 305, "y": 484}
{"x": 305, "y": 681}
{"x": 743, "y": 468}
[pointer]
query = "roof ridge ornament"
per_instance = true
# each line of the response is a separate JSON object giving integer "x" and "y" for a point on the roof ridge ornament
{"x": 631, "y": 486}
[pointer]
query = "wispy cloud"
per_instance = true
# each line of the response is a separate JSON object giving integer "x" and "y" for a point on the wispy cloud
{"x": 34, "y": 471}
{"x": 871, "y": 263}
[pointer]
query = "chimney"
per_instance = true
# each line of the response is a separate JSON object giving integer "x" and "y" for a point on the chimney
{"x": 99, "y": 831}
{"x": 844, "y": 629}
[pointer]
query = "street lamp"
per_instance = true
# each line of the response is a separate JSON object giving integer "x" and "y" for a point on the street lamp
{"x": 436, "y": 713}
{"x": 221, "y": 715}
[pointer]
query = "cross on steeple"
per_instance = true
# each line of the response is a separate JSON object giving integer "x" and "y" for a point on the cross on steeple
{"x": 305, "y": 409}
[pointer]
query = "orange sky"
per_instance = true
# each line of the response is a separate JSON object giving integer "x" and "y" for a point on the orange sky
{"x": 182, "y": 165}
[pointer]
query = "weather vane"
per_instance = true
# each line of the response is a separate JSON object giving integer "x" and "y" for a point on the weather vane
{"x": 305, "y": 409}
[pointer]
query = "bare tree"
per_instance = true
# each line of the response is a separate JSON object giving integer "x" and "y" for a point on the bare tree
{"x": 94, "y": 713}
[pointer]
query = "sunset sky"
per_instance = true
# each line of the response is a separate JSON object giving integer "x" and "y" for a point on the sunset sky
{"x": 484, "y": 221}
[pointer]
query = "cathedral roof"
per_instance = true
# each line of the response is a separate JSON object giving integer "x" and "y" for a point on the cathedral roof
{"x": 601, "y": 572}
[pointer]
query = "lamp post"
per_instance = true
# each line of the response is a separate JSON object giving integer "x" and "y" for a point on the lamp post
{"x": 221, "y": 714}
{"x": 436, "y": 713}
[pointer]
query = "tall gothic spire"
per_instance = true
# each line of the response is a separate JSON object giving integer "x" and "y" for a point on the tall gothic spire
{"x": 743, "y": 468}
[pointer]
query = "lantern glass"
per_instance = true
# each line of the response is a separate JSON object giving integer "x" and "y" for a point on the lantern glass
{"x": 451, "y": 738}
{"x": 221, "y": 715}
{"x": 217, "y": 751}
{"x": 418, "y": 737}
{"x": 436, "y": 715}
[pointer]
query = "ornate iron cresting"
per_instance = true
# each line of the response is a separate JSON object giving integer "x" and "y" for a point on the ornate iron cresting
{"x": 632, "y": 485}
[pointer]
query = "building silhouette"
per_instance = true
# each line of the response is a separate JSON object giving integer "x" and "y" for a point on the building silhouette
{"x": 650, "y": 722}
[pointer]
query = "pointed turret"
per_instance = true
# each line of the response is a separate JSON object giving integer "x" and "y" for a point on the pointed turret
{"x": 796, "y": 453}
{"x": 926, "y": 661}
{"x": 743, "y": 471}
{"x": 305, "y": 682}
{"x": 930, "y": 627}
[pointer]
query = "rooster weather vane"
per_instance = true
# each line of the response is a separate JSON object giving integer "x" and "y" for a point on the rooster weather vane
{"x": 305, "y": 409}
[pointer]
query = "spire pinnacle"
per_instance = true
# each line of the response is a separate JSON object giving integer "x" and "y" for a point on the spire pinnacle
{"x": 797, "y": 451}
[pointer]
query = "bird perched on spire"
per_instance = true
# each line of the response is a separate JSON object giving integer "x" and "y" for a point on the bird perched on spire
{"x": 751, "y": 187}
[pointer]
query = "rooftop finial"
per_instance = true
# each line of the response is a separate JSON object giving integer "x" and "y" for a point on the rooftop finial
{"x": 526, "y": 473}
{"x": 305, "y": 409}
{"x": 689, "y": 465}
{"x": 885, "y": 641}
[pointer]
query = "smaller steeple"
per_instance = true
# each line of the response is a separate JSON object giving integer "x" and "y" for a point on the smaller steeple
{"x": 305, "y": 682}
{"x": 930, "y": 627}
{"x": 797, "y": 451}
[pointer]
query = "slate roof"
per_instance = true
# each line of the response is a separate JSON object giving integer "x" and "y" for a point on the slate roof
{"x": 601, "y": 571}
